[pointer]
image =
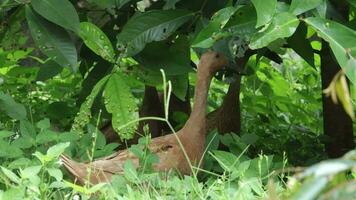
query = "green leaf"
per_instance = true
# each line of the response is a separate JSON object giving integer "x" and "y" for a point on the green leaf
{"x": 120, "y": 102}
{"x": 179, "y": 85}
{"x": 24, "y": 142}
{"x": 226, "y": 160}
{"x": 243, "y": 22}
{"x": 11, "y": 175}
{"x": 300, "y": 6}
{"x": 130, "y": 172}
{"x": 283, "y": 25}
{"x": 56, "y": 173}
{"x": 48, "y": 70}
{"x": 27, "y": 129}
{"x": 5, "y": 134}
{"x": 110, "y": 3}
{"x": 149, "y": 26}
{"x": 97, "y": 41}
{"x": 58, "y": 149}
{"x": 342, "y": 41}
{"x": 9, "y": 151}
{"x": 68, "y": 137}
{"x": 11, "y": 108}
{"x": 173, "y": 59}
{"x": 44, "y": 124}
{"x": 301, "y": 45}
{"x": 205, "y": 38}
{"x": 46, "y": 136}
{"x": 265, "y": 11}
{"x": 53, "y": 41}
{"x": 60, "y": 12}
{"x": 84, "y": 114}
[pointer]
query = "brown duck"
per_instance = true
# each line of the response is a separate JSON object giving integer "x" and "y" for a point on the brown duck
{"x": 167, "y": 148}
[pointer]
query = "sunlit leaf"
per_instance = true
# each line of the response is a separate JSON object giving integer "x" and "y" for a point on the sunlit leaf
{"x": 265, "y": 10}
{"x": 149, "y": 26}
{"x": 84, "y": 114}
{"x": 120, "y": 102}
{"x": 97, "y": 41}
{"x": 205, "y": 37}
{"x": 300, "y": 6}
{"x": 342, "y": 41}
{"x": 283, "y": 25}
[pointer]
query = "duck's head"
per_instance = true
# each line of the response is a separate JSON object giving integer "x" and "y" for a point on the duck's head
{"x": 213, "y": 61}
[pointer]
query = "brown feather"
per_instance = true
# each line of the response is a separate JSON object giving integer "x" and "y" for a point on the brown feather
{"x": 167, "y": 148}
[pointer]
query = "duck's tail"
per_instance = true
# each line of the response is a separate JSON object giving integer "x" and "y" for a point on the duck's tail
{"x": 78, "y": 170}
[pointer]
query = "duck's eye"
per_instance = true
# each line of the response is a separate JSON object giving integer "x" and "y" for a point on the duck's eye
{"x": 217, "y": 55}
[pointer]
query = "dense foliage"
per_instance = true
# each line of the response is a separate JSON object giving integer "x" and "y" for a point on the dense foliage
{"x": 68, "y": 67}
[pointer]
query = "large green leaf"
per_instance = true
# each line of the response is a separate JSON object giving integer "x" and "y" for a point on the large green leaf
{"x": 265, "y": 10}
{"x": 120, "y": 102}
{"x": 173, "y": 59}
{"x": 52, "y": 40}
{"x": 301, "y": 45}
{"x": 243, "y": 22}
{"x": 11, "y": 107}
{"x": 342, "y": 41}
{"x": 204, "y": 38}
{"x": 283, "y": 25}
{"x": 84, "y": 114}
{"x": 150, "y": 26}
{"x": 60, "y": 12}
{"x": 300, "y": 6}
{"x": 97, "y": 41}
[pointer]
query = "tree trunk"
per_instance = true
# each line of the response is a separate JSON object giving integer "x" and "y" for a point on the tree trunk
{"x": 337, "y": 124}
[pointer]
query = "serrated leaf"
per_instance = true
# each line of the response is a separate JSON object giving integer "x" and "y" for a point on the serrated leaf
{"x": 120, "y": 102}
{"x": 84, "y": 114}
{"x": 265, "y": 10}
{"x": 56, "y": 173}
{"x": 300, "y": 6}
{"x": 283, "y": 25}
{"x": 342, "y": 41}
{"x": 60, "y": 12}
{"x": 205, "y": 39}
{"x": 46, "y": 136}
{"x": 149, "y": 26}
{"x": 11, "y": 107}
{"x": 56, "y": 150}
{"x": 53, "y": 41}
{"x": 97, "y": 41}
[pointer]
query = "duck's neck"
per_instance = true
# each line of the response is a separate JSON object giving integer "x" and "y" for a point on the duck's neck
{"x": 197, "y": 120}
